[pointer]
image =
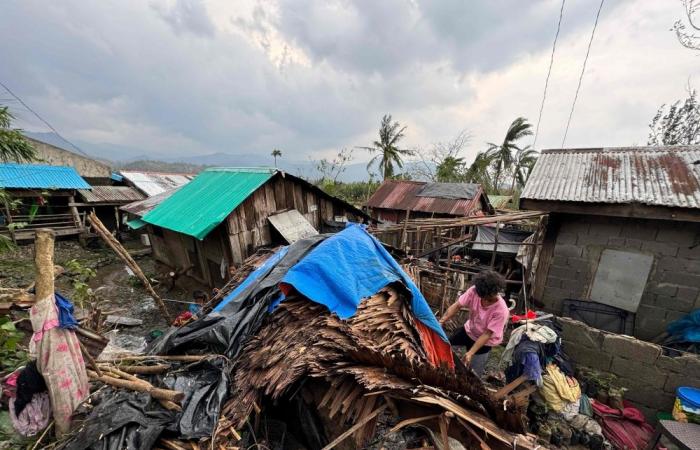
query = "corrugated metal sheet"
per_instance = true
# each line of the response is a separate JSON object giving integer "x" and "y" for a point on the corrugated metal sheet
{"x": 141, "y": 207}
{"x": 37, "y": 176}
{"x": 660, "y": 176}
{"x": 292, "y": 225}
{"x": 202, "y": 204}
{"x": 153, "y": 183}
{"x": 403, "y": 195}
{"x": 500, "y": 201}
{"x": 111, "y": 194}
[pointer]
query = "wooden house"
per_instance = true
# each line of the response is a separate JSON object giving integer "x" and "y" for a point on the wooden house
{"x": 42, "y": 196}
{"x": 220, "y": 217}
{"x": 398, "y": 200}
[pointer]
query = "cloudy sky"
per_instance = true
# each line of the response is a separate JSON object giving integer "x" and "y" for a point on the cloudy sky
{"x": 184, "y": 77}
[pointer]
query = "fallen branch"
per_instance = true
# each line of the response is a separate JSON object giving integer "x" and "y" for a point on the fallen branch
{"x": 179, "y": 358}
{"x": 124, "y": 255}
{"x": 355, "y": 427}
{"x": 139, "y": 386}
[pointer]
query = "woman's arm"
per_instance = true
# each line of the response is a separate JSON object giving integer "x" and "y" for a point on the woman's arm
{"x": 450, "y": 313}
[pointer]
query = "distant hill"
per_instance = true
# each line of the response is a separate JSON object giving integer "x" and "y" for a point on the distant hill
{"x": 148, "y": 165}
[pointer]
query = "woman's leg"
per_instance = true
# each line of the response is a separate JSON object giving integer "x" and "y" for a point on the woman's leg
{"x": 479, "y": 363}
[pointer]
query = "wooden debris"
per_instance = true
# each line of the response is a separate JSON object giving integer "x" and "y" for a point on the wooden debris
{"x": 138, "y": 385}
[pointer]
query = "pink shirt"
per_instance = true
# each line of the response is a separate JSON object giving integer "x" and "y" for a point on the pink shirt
{"x": 492, "y": 318}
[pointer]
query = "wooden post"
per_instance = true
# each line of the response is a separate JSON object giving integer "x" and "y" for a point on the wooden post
{"x": 43, "y": 259}
{"x": 74, "y": 212}
{"x": 8, "y": 214}
{"x": 403, "y": 233}
{"x": 495, "y": 246}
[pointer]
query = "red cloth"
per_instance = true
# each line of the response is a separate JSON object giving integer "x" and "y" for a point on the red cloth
{"x": 183, "y": 319}
{"x": 439, "y": 352}
{"x": 627, "y": 429}
{"x": 530, "y": 315}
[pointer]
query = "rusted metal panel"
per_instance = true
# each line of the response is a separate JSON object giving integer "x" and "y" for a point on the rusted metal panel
{"x": 658, "y": 176}
{"x": 404, "y": 195}
{"x": 111, "y": 194}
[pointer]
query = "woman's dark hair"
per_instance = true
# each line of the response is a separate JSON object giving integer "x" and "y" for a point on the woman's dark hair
{"x": 489, "y": 283}
{"x": 199, "y": 294}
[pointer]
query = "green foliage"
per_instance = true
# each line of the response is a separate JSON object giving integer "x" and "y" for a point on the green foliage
{"x": 388, "y": 152}
{"x": 450, "y": 170}
{"x": 331, "y": 169}
{"x": 677, "y": 125}
{"x": 80, "y": 276}
{"x": 502, "y": 154}
{"x": 12, "y": 355}
{"x": 13, "y": 145}
{"x": 355, "y": 193}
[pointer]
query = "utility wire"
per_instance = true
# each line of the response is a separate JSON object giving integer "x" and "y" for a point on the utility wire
{"x": 42, "y": 119}
{"x": 583, "y": 70}
{"x": 549, "y": 72}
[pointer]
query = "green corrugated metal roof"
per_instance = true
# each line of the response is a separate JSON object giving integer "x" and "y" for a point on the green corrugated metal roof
{"x": 135, "y": 224}
{"x": 202, "y": 204}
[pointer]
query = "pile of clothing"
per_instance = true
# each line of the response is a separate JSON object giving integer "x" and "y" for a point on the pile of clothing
{"x": 560, "y": 414}
{"x": 28, "y": 399}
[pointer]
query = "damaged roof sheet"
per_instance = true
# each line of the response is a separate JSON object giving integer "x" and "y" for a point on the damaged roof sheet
{"x": 141, "y": 207}
{"x": 659, "y": 176}
{"x": 408, "y": 195}
{"x": 202, "y": 204}
{"x": 111, "y": 194}
{"x": 152, "y": 183}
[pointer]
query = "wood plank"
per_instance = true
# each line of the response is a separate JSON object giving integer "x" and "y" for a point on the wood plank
{"x": 280, "y": 195}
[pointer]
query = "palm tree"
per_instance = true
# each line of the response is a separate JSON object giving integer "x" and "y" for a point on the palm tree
{"x": 13, "y": 145}
{"x": 275, "y": 154}
{"x": 388, "y": 152}
{"x": 480, "y": 171}
{"x": 523, "y": 162}
{"x": 450, "y": 170}
{"x": 503, "y": 154}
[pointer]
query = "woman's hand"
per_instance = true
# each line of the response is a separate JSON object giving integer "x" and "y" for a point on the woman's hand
{"x": 468, "y": 359}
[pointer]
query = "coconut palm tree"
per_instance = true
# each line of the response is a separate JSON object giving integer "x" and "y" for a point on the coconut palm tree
{"x": 480, "y": 171}
{"x": 523, "y": 162}
{"x": 503, "y": 153}
{"x": 275, "y": 154}
{"x": 388, "y": 152}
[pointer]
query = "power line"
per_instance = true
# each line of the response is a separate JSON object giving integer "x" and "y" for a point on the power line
{"x": 549, "y": 71}
{"x": 583, "y": 70}
{"x": 42, "y": 119}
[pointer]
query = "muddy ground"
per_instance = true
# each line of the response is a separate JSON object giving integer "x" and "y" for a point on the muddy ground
{"x": 117, "y": 292}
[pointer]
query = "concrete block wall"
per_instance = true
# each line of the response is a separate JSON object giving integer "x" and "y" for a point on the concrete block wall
{"x": 673, "y": 287}
{"x": 650, "y": 377}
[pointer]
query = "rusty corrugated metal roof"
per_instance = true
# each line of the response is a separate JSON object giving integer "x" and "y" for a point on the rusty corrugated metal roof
{"x": 660, "y": 176}
{"x": 111, "y": 194}
{"x": 403, "y": 195}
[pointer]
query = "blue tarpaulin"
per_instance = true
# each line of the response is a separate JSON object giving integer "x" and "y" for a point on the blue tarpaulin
{"x": 252, "y": 277}
{"x": 349, "y": 266}
{"x": 687, "y": 328}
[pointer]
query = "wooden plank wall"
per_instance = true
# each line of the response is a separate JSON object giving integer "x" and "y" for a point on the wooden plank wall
{"x": 248, "y": 227}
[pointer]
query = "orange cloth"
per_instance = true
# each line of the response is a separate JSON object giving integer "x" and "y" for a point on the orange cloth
{"x": 439, "y": 352}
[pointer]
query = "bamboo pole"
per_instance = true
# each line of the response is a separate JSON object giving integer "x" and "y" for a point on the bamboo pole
{"x": 43, "y": 259}
{"x": 124, "y": 255}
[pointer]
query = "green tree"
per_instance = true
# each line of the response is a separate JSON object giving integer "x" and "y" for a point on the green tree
{"x": 388, "y": 152}
{"x": 502, "y": 154}
{"x": 13, "y": 145}
{"x": 677, "y": 125}
{"x": 450, "y": 170}
{"x": 276, "y": 153}
{"x": 480, "y": 171}
{"x": 523, "y": 161}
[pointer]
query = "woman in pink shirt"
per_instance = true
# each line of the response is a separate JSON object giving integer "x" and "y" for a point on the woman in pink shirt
{"x": 488, "y": 314}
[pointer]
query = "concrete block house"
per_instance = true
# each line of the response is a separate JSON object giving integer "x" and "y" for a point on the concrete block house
{"x": 623, "y": 235}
